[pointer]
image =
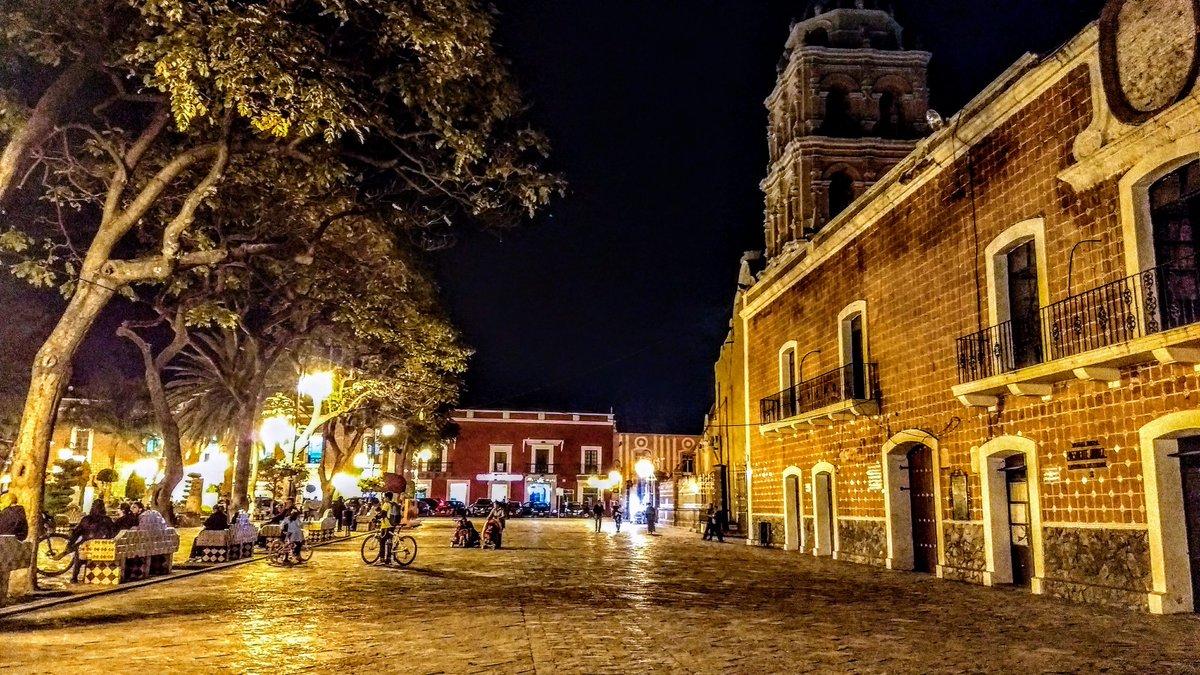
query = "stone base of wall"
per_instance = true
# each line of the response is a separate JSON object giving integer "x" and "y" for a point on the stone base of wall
{"x": 862, "y": 541}
{"x": 809, "y": 533}
{"x": 1097, "y": 565}
{"x": 964, "y": 552}
{"x": 1096, "y": 595}
{"x": 777, "y": 530}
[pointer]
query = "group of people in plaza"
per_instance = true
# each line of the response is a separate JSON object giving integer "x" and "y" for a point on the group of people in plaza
{"x": 466, "y": 536}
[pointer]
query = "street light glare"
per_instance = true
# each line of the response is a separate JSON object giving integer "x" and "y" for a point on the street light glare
{"x": 388, "y": 429}
{"x": 425, "y": 455}
{"x": 644, "y": 468}
{"x": 276, "y": 431}
{"x": 317, "y": 386}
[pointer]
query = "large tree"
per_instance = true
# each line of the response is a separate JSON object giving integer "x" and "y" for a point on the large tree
{"x": 130, "y": 120}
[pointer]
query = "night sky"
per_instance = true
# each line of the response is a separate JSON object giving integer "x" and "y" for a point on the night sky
{"x": 619, "y": 296}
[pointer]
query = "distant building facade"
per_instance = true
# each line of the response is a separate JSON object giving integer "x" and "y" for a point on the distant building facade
{"x": 681, "y": 484}
{"x": 525, "y": 456}
{"x": 984, "y": 366}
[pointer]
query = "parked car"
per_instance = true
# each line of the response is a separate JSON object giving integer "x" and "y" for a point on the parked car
{"x": 537, "y": 509}
{"x": 450, "y": 507}
{"x": 427, "y": 506}
{"x": 481, "y": 507}
{"x": 572, "y": 510}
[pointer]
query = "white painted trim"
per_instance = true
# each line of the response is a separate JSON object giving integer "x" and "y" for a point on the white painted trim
{"x": 1170, "y": 569}
{"x": 793, "y": 510}
{"x": 449, "y": 491}
{"x": 490, "y": 420}
{"x": 783, "y": 382}
{"x": 996, "y": 266}
{"x": 897, "y": 503}
{"x": 1094, "y": 526}
{"x": 1134, "y": 190}
{"x": 746, "y": 436}
{"x": 858, "y": 307}
{"x": 826, "y": 542}
{"x": 456, "y": 411}
{"x": 998, "y": 566}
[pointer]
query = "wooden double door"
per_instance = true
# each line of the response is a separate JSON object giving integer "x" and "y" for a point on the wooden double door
{"x": 1189, "y": 468}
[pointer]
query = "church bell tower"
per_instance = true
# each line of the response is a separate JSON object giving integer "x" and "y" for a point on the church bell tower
{"x": 849, "y": 103}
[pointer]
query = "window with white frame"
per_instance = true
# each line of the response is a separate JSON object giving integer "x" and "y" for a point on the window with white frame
{"x": 787, "y": 366}
{"x": 853, "y": 357}
{"x": 501, "y": 458}
{"x": 590, "y": 459}
{"x": 1017, "y": 290}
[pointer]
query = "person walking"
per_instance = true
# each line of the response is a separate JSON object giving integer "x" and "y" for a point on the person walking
{"x": 651, "y": 516}
{"x": 598, "y": 514}
{"x": 710, "y": 523}
{"x": 338, "y": 507}
{"x": 617, "y": 516}
{"x": 719, "y": 522}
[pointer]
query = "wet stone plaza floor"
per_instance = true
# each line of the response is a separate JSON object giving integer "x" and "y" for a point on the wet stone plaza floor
{"x": 560, "y": 598}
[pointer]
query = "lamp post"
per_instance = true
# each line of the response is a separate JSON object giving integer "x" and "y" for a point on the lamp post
{"x": 645, "y": 470}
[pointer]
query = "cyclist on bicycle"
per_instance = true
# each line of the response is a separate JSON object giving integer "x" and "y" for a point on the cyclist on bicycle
{"x": 392, "y": 514}
{"x": 292, "y": 534}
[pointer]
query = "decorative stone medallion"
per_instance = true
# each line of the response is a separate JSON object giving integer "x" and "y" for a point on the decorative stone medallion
{"x": 1149, "y": 55}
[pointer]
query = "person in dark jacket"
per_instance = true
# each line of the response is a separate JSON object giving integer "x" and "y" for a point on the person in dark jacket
{"x": 338, "y": 507}
{"x": 95, "y": 525}
{"x": 12, "y": 517}
{"x": 128, "y": 519}
{"x": 218, "y": 520}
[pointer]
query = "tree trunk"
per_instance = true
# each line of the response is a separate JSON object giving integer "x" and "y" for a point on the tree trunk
{"x": 50, "y": 375}
{"x": 241, "y": 492}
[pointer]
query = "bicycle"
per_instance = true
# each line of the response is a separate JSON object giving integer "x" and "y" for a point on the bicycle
{"x": 404, "y": 548}
{"x": 55, "y": 555}
{"x": 279, "y": 552}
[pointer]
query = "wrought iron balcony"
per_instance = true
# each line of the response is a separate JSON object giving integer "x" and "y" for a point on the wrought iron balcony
{"x": 541, "y": 468}
{"x": 850, "y": 383}
{"x": 432, "y": 468}
{"x": 1144, "y": 304}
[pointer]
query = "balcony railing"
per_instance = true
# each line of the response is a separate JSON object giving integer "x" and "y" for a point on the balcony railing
{"x": 591, "y": 469}
{"x": 1152, "y": 301}
{"x": 541, "y": 467}
{"x": 432, "y": 467}
{"x": 852, "y": 382}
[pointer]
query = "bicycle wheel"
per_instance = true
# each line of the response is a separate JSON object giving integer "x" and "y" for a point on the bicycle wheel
{"x": 53, "y": 556}
{"x": 404, "y": 550}
{"x": 370, "y": 549}
{"x": 306, "y": 551}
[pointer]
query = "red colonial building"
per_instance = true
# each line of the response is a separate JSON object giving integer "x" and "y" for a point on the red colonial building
{"x": 525, "y": 456}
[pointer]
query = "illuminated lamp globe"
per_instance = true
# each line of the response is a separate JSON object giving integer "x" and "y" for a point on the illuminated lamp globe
{"x": 425, "y": 455}
{"x": 147, "y": 469}
{"x": 644, "y": 468}
{"x": 276, "y": 431}
{"x": 614, "y": 477}
{"x": 388, "y": 429}
{"x": 317, "y": 386}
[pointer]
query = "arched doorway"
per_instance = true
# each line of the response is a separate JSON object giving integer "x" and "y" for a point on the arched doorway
{"x": 793, "y": 510}
{"x": 1012, "y": 523}
{"x": 1170, "y": 453}
{"x": 910, "y": 484}
{"x": 824, "y": 492}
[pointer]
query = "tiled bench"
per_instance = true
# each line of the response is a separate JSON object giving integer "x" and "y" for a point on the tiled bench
{"x": 130, "y": 556}
{"x": 15, "y": 554}
{"x": 215, "y": 546}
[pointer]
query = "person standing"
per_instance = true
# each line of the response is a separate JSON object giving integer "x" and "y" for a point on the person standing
{"x": 651, "y": 516}
{"x": 598, "y": 514}
{"x": 710, "y": 523}
{"x": 338, "y": 507}
{"x": 719, "y": 522}
{"x": 617, "y": 516}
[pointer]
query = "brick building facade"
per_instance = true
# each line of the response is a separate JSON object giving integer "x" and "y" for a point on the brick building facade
{"x": 985, "y": 367}
{"x": 524, "y": 456}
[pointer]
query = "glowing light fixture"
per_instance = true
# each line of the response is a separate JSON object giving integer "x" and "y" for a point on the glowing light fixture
{"x": 644, "y": 468}
{"x": 317, "y": 386}
{"x": 425, "y": 455}
{"x": 65, "y": 453}
{"x": 276, "y": 431}
{"x": 388, "y": 429}
{"x": 614, "y": 477}
{"x": 146, "y": 468}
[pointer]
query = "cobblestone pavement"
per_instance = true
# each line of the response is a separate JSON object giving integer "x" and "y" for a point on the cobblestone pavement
{"x": 561, "y": 598}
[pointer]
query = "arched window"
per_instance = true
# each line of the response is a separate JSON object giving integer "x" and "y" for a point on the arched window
{"x": 891, "y": 116}
{"x": 838, "y": 120}
{"x": 817, "y": 38}
{"x": 841, "y": 193}
{"x": 1175, "y": 219}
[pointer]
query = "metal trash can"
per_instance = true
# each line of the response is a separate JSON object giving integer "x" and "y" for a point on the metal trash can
{"x": 764, "y": 533}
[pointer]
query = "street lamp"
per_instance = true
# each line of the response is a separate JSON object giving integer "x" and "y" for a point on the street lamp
{"x": 388, "y": 430}
{"x": 645, "y": 470}
{"x": 317, "y": 386}
{"x": 276, "y": 431}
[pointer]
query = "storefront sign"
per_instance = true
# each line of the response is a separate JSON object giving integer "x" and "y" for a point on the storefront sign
{"x": 1085, "y": 455}
{"x": 498, "y": 477}
{"x": 874, "y": 478}
{"x": 960, "y": 496}
{"x": 1051, "y": 474}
